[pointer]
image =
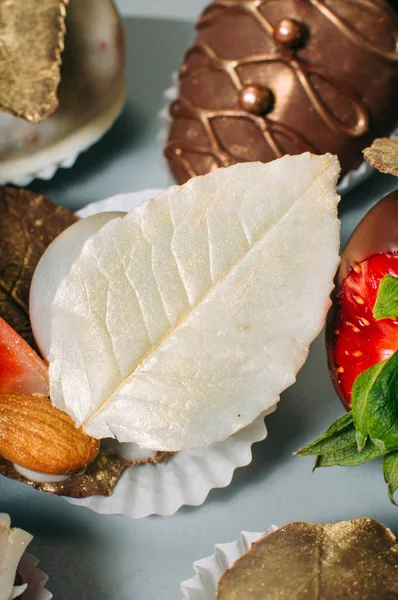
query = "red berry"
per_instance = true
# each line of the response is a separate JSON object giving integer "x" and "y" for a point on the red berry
{"x": 360, "y": 341}
{"x": 21, "y": 370}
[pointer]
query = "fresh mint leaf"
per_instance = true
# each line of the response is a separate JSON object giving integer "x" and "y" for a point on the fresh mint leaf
{"x": 338, "y": 446}
{"x": 386, "y": 306}
{"x": 390, "y": 471}
{"x": 375, "y": 405}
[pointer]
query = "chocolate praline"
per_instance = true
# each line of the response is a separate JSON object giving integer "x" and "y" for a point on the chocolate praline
{"x": 329, "y": 70}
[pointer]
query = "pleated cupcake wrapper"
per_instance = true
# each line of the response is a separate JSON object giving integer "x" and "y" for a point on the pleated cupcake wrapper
{"x": 203, "y": 586}
{"x": 34, "y": 578}
{"x": 349, "y": 181}
{"x": 188, "y": 477}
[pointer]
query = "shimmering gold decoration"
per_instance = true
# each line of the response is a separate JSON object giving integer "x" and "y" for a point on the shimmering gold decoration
{"x": 383, "y": 155}
{"x": 99, "y": 479}
{"x": 31, "y": 42}
{"x": 345, "y": 561}
{"x": 255, "y": 99}
{"x": 288, "y": 33}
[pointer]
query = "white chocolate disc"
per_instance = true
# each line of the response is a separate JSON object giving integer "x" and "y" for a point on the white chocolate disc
{"x": 39, "y": 477}
{"x": 53, "y": 266}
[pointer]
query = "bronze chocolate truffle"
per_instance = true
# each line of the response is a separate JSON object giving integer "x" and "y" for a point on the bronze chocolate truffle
{"x": 270, "y": 77}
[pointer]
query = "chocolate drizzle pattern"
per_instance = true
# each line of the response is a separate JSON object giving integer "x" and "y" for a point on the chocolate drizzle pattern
{"x": 286, "y": 53}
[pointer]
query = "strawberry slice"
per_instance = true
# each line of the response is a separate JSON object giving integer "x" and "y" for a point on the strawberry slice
{"x": 361, "y": 341}
{"x": 21, "y": 369}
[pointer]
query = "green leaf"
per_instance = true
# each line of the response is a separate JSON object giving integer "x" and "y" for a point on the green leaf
{"x": 349, "y": 456}
{"x": 338, "y": 446}
{"x": 336, "y": 436}
{"x": 375, "y": 405}
{"x": 361, "y": 399}
{"x": 390, "y": 471}
{"x": 386, "y": 306}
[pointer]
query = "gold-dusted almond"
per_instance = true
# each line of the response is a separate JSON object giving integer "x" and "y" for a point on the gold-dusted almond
{"x": 39, "y": 437}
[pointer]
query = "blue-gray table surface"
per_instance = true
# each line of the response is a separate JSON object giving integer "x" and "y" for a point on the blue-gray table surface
{"x": 94, "y": 557}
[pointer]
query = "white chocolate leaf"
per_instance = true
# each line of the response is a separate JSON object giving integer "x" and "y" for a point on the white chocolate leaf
{"x": 180, "y": 323}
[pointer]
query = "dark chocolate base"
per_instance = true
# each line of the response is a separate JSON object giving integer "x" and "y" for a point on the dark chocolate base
{"x": 99, "y": 479}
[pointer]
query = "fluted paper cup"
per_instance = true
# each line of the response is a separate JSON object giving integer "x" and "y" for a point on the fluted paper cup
{"x": 203, "y": 585}
{"x": 33, "y": 578}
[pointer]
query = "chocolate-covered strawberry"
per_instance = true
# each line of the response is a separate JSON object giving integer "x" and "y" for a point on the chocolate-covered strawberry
{"x": 362, "y": 341}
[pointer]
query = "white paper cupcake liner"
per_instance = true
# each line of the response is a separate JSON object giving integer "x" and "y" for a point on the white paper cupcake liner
{"x": 190, "y": 475}
{"x": 203, "y": 586}
{"x": 349, "y": 181}
{"x": 34, "y": 578}
{"x": 185, "y": 480}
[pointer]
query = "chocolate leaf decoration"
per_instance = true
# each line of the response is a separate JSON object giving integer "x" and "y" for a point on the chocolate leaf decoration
{"x": 99, "y": 479}
{"x": 386, "y": 306}
{"x": 305, "y": 561}
{"x": 390, "y": 471}
{"x": 375, "y": 405}
{"x": 338, "y": 446}
{"x": 166, "y": 323}
{"x": 32, "y": 39}
{"x": 29, "y": 222}
{"x": 383, "y": 155}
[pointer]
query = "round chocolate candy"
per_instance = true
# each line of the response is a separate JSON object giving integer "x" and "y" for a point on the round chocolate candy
{"x": 288, "y": 33}
{"x": 274, "y": 77}
{"x": 255, "y": 99}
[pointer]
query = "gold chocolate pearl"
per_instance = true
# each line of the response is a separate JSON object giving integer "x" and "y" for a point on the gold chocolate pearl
{"x": 255, "y": 99}
{"x": 288, "y": 33}
{"x": 175, "y": 109}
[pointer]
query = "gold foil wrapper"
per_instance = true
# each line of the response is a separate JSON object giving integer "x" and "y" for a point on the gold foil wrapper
{"x": 31, "y": 42}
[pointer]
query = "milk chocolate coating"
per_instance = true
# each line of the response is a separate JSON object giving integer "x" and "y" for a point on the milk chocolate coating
{"x": 377, "y": 233}
{"x": 330, "y": 67}
{"x": 343, "y": 561}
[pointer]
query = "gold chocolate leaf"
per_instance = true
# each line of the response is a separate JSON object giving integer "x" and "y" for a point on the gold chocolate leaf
{"x": 99, "y": 479}
{"x": 31, "y": 42}
{"x": 383, "y": 155}
{"x": 343, "y": 561}
{"x": 29, "y": 222}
